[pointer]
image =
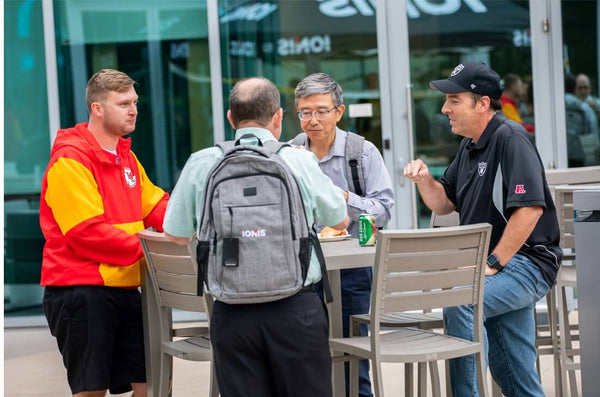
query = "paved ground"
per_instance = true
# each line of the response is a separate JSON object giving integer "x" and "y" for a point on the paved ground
{"x": 33, "y": 367}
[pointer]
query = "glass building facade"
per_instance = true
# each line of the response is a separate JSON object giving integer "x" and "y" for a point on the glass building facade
{"x": 187, "y": 54}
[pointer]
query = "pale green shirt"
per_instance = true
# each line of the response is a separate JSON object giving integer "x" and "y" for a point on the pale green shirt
{"x": 323, "y": 200}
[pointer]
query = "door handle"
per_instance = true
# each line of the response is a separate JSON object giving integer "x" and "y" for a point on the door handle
{"x": 400, "y": 167}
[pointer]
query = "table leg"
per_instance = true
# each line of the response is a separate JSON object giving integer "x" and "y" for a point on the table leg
{"x": 151, "y": 334}
{"x": 336, "y": 331}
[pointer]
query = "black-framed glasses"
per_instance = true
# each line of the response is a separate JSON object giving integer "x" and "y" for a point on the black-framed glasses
{"x": 319, "y": 114}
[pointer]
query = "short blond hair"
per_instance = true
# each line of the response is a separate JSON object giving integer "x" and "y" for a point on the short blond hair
{"x": 104, "y": 81}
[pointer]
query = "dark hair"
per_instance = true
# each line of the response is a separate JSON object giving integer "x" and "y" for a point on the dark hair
{"x": 104, "y": 81}
{"x": 510, "y": 79}
{"x": 495, "y": 104}
{"x": 318, "y": 84}
{"x": 254, "y": 99}
{"x": 570, "y": 83}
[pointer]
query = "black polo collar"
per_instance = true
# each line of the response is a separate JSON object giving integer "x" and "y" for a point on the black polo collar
{"x": 494, "y": 123}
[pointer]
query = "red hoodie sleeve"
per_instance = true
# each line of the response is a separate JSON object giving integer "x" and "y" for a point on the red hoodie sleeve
{"x": 154, "y": 201}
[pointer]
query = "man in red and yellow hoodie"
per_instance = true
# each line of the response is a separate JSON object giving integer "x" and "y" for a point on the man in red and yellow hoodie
{"x": 95, "y": 197}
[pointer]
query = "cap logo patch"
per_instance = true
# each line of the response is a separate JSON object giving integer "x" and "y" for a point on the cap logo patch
{"x": 481, "y": 168}
{"x": 457, "y": 70}
{"x": 473, "y": 86}
{"x": 520, "y": 189}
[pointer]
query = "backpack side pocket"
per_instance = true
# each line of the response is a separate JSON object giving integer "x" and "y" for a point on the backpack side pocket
{"x": 304, "y": 255}
{"x": 202, "y": 251}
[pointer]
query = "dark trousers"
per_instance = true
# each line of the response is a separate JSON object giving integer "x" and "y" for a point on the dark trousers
{"x": 278, "y": 349}
{"x": 356, "y": 299}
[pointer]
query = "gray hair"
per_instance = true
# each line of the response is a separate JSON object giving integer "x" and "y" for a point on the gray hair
{"x": 318, "y": 84}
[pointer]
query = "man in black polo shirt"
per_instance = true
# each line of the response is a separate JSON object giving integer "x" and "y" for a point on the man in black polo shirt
{"x": 496, "y": 177}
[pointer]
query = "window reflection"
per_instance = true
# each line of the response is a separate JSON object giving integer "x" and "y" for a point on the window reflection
{"x": 441, "y": 36}
{"x": 285, "y": 41}
{"x": 582, "y": 105}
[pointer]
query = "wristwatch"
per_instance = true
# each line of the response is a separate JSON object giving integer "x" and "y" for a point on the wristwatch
{"x": 494, "y": 262}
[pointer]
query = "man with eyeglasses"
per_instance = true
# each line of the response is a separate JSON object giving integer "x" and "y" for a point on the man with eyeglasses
{"x": 319, "y": 103}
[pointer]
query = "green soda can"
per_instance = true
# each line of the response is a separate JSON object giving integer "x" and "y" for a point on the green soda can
{"x": 367, "y": 230}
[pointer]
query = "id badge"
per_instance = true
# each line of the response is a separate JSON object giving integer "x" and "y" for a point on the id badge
{"x": 230, "y": 252}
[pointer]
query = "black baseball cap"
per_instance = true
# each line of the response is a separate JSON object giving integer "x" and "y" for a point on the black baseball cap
{"x": 474, "y": 77}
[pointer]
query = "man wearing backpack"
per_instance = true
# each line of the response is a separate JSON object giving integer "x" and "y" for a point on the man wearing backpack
{"x": 356, "y": 166}
{"x": 280, "y": 347}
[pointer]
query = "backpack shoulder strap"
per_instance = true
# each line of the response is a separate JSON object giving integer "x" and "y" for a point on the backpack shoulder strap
{"x": 299, "y": 140}
{"x": 354, "y": 170}
{"x": 225, "y": 146}
{"x": 273, "y": 147}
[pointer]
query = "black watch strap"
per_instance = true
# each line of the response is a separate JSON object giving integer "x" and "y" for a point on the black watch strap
{"x": 493, "y": 262}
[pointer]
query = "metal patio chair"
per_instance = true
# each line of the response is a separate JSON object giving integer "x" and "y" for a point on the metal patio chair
{"x": 169, "y": 282}
{"x": 422, "y": 270}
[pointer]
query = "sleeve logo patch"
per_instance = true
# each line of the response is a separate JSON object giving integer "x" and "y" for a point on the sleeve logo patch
{"x": 520, "y": 189}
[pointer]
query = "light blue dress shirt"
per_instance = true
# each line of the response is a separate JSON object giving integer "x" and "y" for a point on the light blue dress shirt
{"x": 379, "y": 195}
{"x": 323, "y": 200}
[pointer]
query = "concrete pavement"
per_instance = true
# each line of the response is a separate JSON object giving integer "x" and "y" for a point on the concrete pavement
{"x": 33, "y": 367}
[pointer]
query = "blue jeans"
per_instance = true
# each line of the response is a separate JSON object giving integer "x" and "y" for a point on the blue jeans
{"x": 509, "y": 331}
{"x": 356, "y": 299}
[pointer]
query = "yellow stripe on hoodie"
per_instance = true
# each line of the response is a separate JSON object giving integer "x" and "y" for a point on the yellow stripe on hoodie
{"x": 123, "y": 276}
{"x": 70, "y": 182}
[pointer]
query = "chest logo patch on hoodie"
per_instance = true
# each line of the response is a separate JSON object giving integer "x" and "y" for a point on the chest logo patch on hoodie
{"x": 129, "y": 177}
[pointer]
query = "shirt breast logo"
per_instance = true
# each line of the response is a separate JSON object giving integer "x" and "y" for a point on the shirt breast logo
{"x": 481, "y": 168}
{"x": 129, "y": 177}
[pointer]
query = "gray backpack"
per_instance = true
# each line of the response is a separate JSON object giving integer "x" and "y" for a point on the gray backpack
{"x": 254, "y": 243}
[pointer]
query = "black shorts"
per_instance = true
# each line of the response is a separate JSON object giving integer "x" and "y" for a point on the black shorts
{"x": 100, "y": 336}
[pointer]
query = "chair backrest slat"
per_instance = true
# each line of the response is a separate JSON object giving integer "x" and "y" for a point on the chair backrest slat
{"x": 579, "y": 175}
{"x": 422, "y": 260}
{"x": 427, "y": 281}
{"x": 177, "y": 283}
{"x": 429, "y": 268}
{"x": 190, "y": 303}
{"x": 446, "y": 240}
{"x": 427, "y": 300}
{"x": 176, "y": 264}
{"x": 166, "y": 247}
{"x": 569, "y": 226}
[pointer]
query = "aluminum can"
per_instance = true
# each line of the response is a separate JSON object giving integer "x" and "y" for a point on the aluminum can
{"x": 367, "y": 231}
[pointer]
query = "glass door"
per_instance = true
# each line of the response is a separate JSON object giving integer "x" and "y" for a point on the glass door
{"x": 286, "y": 40}
{"x": 426, "y": 45}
